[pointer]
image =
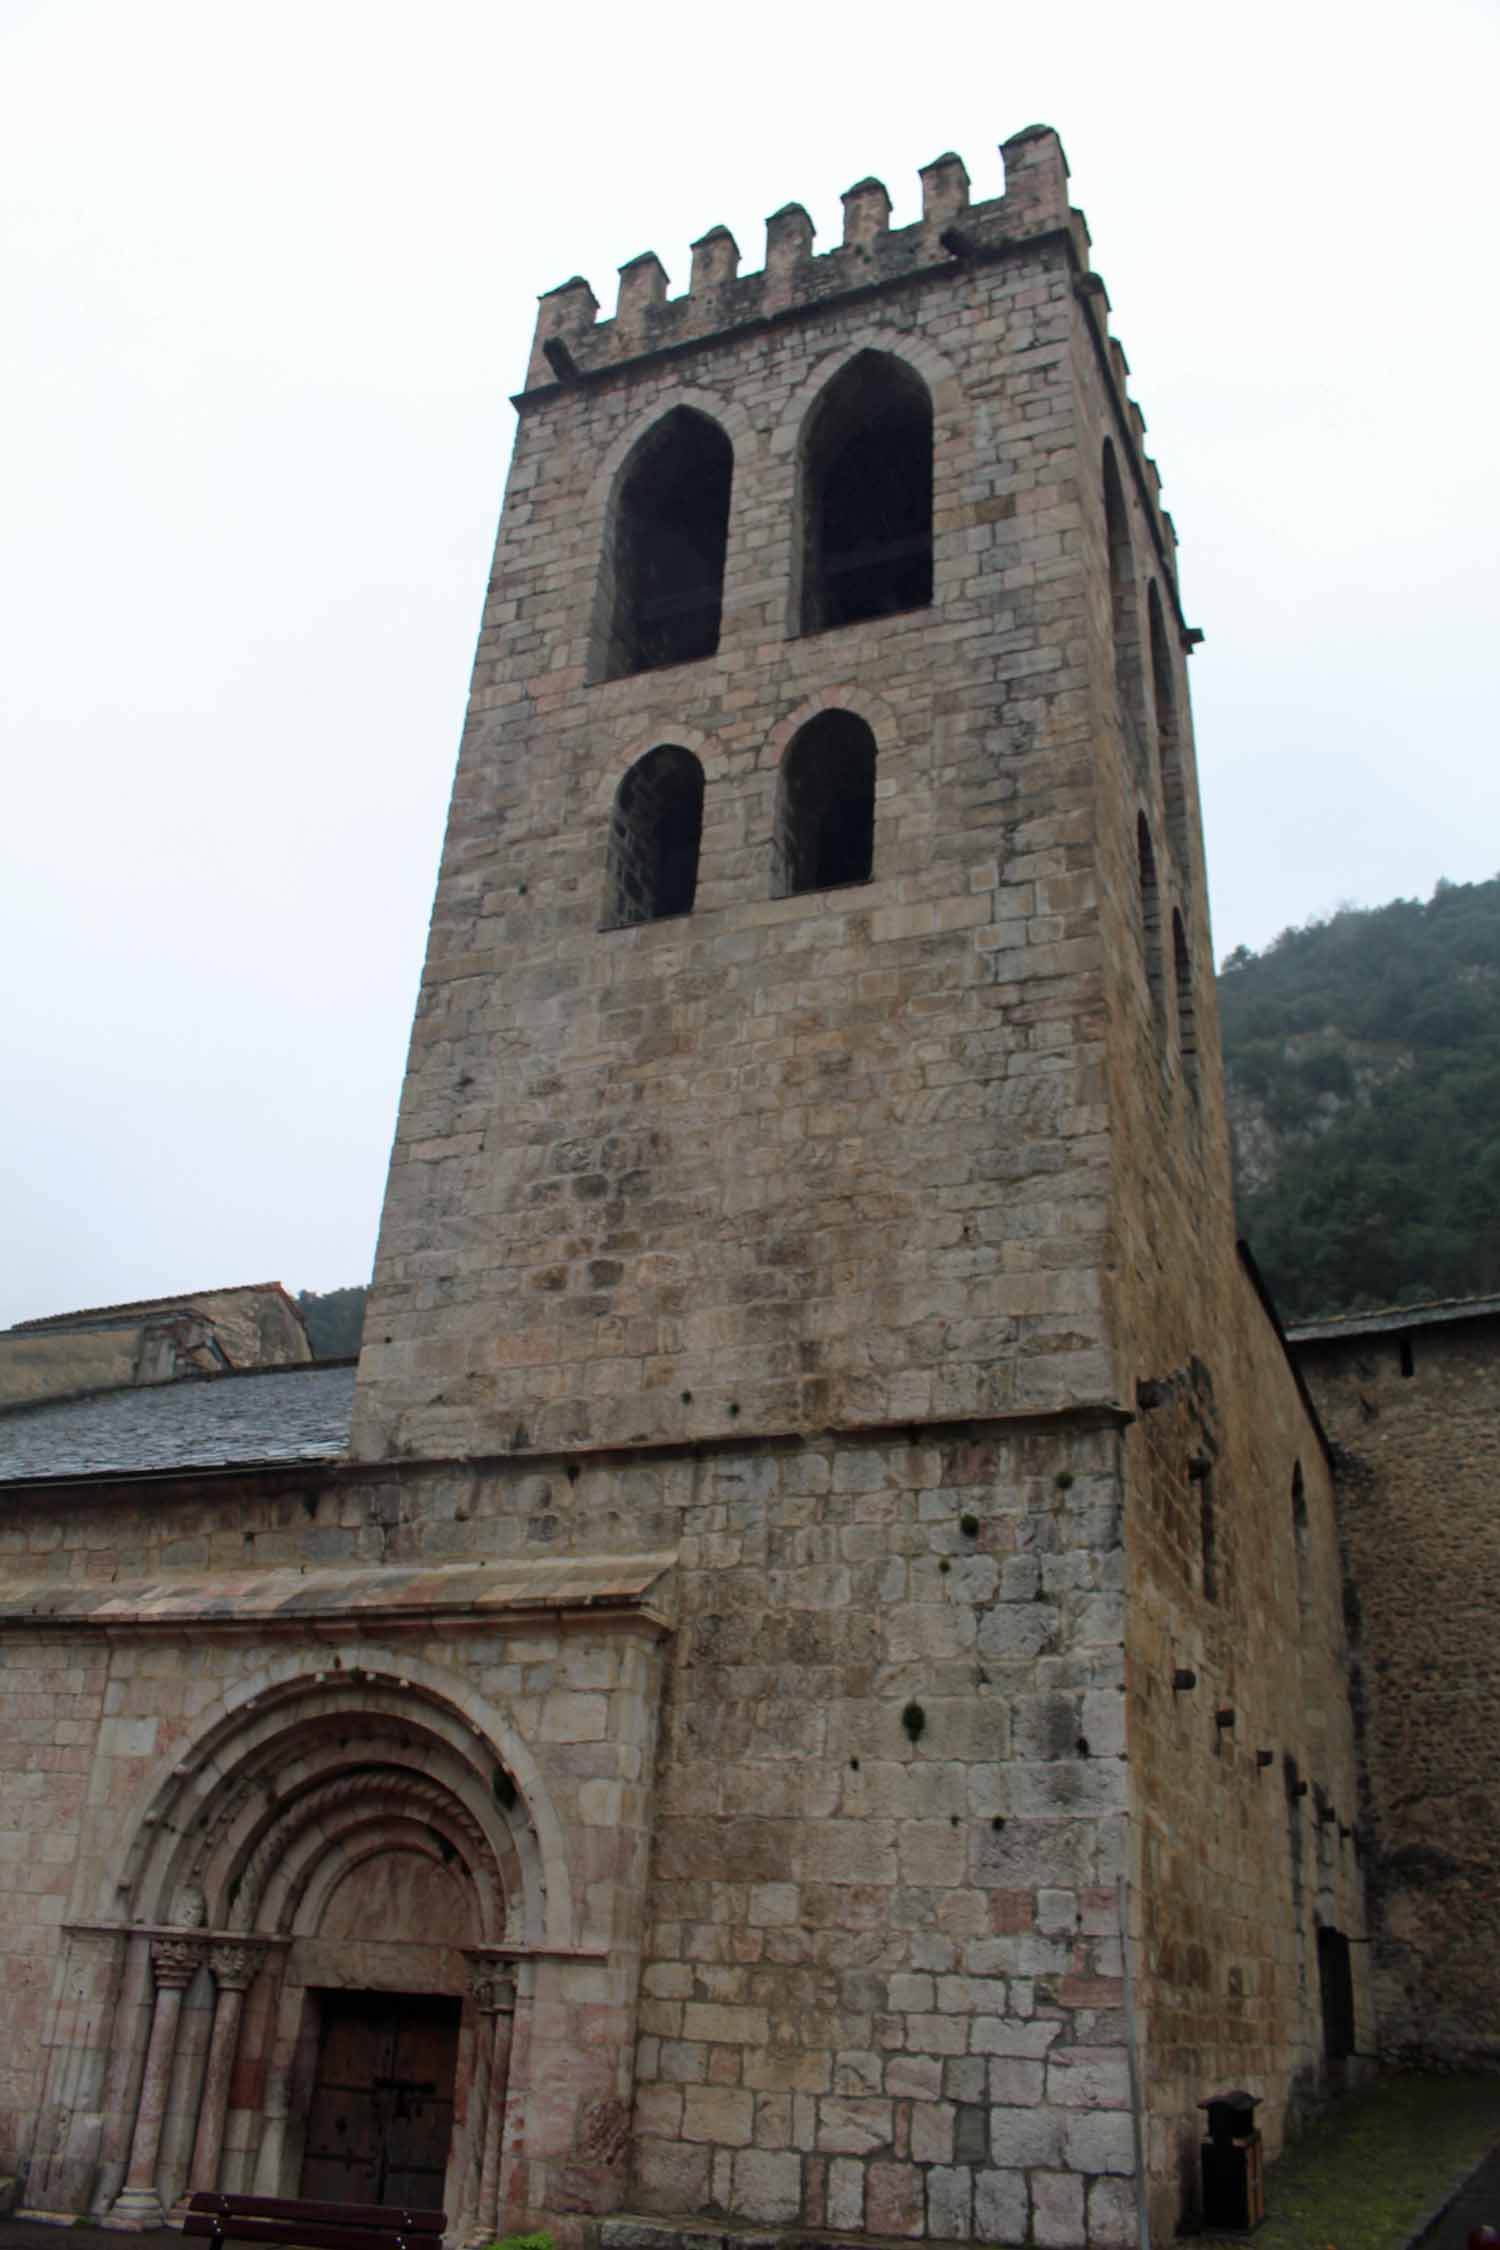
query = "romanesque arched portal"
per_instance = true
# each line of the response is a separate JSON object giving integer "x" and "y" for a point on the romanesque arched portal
{"x": 330, "y": 1890}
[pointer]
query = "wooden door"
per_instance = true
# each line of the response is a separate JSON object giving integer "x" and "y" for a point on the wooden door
{"x": 381, "y": 2116}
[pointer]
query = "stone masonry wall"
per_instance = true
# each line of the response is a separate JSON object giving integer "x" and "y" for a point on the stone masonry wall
{"x": 1229, "y": 1878}
{"x": 1419, "y": 1471}
{"x": 52, "y": 1695}
{"x": 1244, "y": 1776}
{"x": 836, "y": 1158}
{"x": 882, "y": 1980}
{"x": 881, "y": 1969}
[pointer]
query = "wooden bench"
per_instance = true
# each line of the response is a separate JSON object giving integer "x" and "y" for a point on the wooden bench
{"x": 314, "y": 2226}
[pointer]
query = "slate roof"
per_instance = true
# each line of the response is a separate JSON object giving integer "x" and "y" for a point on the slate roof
{"x": 270, "y": 1415}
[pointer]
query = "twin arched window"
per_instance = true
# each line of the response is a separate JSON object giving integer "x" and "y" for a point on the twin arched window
{"x": 867, "y": 495}
{"x": 866, "y": 521}
{"x": 825, "y": 807}
{"x": 662, "y": 576}
{"x": 654, "y": 837}
{"x": 824, "y": 832}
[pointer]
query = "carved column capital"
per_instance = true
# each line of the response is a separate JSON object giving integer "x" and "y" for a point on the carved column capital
{"x": 175, "y": 1961}
{"x": 492, "y": 1987}
{"x": 234, "y": 1965}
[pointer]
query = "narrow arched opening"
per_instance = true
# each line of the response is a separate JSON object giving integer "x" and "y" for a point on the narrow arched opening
{"x": 654, "y": 839}
{"x": 1187, "y": 1029}
{"x": 825, "y": 807}
{"x": 1150, "y": 896}
{"x": 662, "y": 571}
{"x": 1124, "y": 618}
{"x": 867, "y": 495}
{"x": 1168, "y": 745}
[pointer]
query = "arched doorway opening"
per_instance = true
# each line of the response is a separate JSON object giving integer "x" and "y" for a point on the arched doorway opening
{"x": 328, "y": 1897}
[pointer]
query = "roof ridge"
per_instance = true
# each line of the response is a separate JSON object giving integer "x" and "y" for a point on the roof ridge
{"x": 172, "y": 1298}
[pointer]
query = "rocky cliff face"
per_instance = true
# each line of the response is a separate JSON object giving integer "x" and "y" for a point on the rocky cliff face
{"x": 1333, "y": 1075}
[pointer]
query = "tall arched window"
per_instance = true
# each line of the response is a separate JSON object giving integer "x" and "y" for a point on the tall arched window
{"x": 825, "y": 806}
{"x": 662, "y": 573}
{"x": 1150, "y": 915}
{"x": 867, "y": 495}
{"x": 1168, "y": 746}
{"x": 1187, "y": 1030}
{"x": 1124, "y": 616}
{"x": 654, "y": 838}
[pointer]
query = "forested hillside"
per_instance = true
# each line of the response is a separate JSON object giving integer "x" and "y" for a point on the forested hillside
{"x": 1363, "y": 1055}
{"x": 335, "y": 1319}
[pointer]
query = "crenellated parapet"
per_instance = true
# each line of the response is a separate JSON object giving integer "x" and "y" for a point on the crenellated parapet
{"x": 572, "y": 342}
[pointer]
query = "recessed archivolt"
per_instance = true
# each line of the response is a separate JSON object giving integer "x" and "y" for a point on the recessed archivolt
{"x": 305, "y": 1788}
{"x": 727, "y": 413}
{"x": 935, "y": 370}
{"x": 234, "y": 1818}
{"x": 877, "y": 715}
{"x": 706, "y": 748}
{"x": 327, "y": 1862}
{"x": 264, "y": 1887}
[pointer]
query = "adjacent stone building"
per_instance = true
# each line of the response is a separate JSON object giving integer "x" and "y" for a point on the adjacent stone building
{"x": 1411, "y": 1398}
{"x": 818, "y": 1694}
{"x": 154, "y": 1340}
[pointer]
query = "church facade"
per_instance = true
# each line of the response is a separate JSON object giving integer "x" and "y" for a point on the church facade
{"x": 817, "y": 1695}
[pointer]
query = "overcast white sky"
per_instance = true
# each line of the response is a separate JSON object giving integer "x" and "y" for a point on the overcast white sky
{"x": 269, "y": 281}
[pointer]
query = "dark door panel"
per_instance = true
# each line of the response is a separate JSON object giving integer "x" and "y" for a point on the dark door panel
{"x": 381, "y": 2116}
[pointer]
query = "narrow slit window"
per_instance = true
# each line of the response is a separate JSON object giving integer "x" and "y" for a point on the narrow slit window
{"x": 662, "y": 583}
{"x": 1187, "y": 1027}
{"x": 654, "y": 839}
{"x": 1124, "y": 617}
{"x": 1150, "y": 916}
{"x": 1168, "y": 746}
{"x": 1300, "y": 1532}
{"x": 867, "y": 494}
{"x": 1202, "y": 1475}
{"x": 825, "y": 810}
{"x": 1336, "y": 1991}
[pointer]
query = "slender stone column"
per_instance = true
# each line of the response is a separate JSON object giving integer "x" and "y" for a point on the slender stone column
{"x": 514, "y": 2166}
{"x": 234, "y": 1968}
{"x": 174, "y": 1962}
{"x": 494, "y": 1990}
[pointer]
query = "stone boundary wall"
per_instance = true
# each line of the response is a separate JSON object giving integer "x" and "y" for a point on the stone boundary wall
{"x": 1415, "y": 1415}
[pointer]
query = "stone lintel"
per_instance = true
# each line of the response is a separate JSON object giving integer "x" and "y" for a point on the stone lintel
{"x": 610, "y": 1590}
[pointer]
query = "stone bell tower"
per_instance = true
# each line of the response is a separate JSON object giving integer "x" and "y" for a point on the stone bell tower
{"x": 812, "y": 1168}
{"x": 824, "y": 825}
